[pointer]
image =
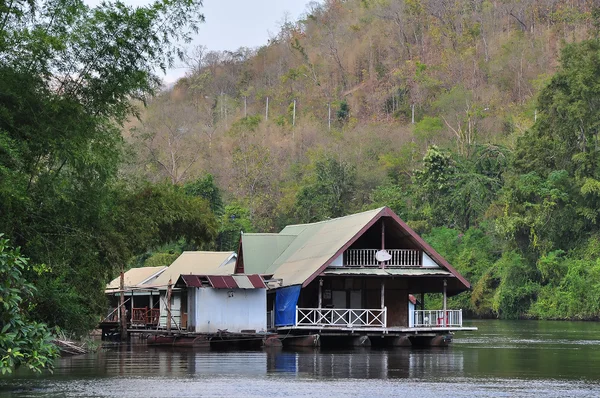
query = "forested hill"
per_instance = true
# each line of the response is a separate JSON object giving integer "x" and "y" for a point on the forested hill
{"x": 425, "y": 106}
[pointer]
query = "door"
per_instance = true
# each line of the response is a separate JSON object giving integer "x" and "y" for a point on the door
{"x": 338, "y": 315}
{"x": 356, "y": 317}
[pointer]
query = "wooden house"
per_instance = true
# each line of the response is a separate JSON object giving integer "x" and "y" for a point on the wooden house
{"x": 353, "y": 275}
{"x": 141, "y": 301}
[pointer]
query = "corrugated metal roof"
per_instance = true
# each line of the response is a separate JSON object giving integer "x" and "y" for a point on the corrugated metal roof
{"x": 387, "y": 271}
{"x": 197, "y": 263}
{"x": 224, "y": 281}
{"x": 135, "y": 276}
{"x": 191, "y": 280}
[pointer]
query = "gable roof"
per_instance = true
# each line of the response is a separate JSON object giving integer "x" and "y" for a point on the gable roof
{"x": 262, "y": 250}
{"x": 197, "y": 262}
{"x": 310, "y": 248}
{"x": 135, "y": 277}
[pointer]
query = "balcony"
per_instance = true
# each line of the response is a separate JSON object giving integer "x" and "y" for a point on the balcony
{"x": 366, "y": 258}
{"x": 436, "y": 319}
{"x": 341, "y": 317}
{"x": 375, "y": 320}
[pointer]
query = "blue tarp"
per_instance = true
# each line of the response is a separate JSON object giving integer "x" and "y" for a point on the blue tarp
{"x": 286, "y": 300}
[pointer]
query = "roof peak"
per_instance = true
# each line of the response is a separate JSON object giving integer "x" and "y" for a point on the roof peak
{"x": 375, "y": 211}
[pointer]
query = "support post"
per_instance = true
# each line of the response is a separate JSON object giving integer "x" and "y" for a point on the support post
{"x": 381, "y": 263}
{"x": 445, "y": 316}
{"x": 169, "y": 292}
{"x": 132, "y": 306}
{"x": 320, "y": 293}
{"x": 382, "y": 294}
{"x": 123, "y": 317}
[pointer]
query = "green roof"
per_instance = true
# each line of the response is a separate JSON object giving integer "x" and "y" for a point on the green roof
{"x": 261, "y": 250}
{"x": 298, "y": 251}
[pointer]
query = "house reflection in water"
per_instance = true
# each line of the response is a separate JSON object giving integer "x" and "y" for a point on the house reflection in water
{"x": 367, "y": 364}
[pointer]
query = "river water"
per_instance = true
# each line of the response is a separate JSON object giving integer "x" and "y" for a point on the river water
{"x": 502, "y": 359}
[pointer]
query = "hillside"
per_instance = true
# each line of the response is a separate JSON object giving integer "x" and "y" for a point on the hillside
{"x": 429, "y": 107}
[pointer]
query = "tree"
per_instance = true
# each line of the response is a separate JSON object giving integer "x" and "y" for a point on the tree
{"x": 328, "y": 191}
{"x": 23, "y": 342}
{"x": 235, "y": 220}
{"x": 69, "y": 74}
{"x": 207, "y": 188}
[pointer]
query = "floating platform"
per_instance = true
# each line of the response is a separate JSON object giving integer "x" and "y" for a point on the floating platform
{"x": 221, "y": 339}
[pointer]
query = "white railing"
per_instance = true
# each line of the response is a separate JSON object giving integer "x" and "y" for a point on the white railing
{"x": 366, "y": 258}
{"x": 436, "y": 318}
{"x": 341, "y": 317}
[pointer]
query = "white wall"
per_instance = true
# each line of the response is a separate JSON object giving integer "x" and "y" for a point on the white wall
{"x": 220, "y": 309}
{"x": 411, "y": 313}
{"x": 428, "y": 262}
{"x": 175, "y": 309}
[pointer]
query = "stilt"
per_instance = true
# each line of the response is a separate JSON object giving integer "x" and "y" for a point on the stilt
{"x": 123, "y": 317}
{"x": 445, "y": 299}
{"x": 169, "y": 292}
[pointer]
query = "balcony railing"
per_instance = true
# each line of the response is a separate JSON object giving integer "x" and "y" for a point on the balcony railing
{"x": 436, "y": 318}
{"x": 145, "y": 316}
{"x": 366, "y": 258}
{"x": 341, "y": 317}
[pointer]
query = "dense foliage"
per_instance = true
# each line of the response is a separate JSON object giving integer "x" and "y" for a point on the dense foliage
{"x": 68, "y": 75}
{"x": 23, "y": 342}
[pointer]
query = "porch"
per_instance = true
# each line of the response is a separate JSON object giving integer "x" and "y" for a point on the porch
{"x": 375, "y": 320}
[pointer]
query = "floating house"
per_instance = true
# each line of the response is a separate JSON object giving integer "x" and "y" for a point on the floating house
{"x": 188, "y": 263}
{"x": 218, "y": 303}
{"x": 141, "y": 301}
{"x": 353, "y": 276}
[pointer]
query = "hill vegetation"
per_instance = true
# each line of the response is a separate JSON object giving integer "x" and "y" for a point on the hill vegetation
{"x": 463, "y": 116}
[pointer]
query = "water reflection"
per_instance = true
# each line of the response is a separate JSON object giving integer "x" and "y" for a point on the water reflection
{"x": 501, "y": 359}
{"x": 368, "y": 364}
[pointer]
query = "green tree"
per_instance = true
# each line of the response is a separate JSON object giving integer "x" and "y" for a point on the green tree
{"x": 68, "y": 75}
{"x": 327, "y": 192}
{"x": 207, "y": 188}
{"x": 234, "y": 221}
{"x": 23, "y": 342}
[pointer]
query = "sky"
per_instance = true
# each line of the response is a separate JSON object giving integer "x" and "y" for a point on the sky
{"x": 231, "y": 24}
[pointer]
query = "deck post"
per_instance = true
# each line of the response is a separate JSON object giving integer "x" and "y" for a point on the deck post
{"x": 382, "y": 294}
{"x": 445, "y": 297}
{"x": 381, "y": 263}
{"x": 132, "y": 306}
{"x": 320, "y": 293}
{"x": 169, "y": 292}
{"x": 123, "y": 317}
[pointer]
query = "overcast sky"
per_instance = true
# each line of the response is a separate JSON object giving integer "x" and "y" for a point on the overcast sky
{"x": 231, "y": 24}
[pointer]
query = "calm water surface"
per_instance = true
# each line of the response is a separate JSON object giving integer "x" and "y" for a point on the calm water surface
{"x": 502, "y": 359}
